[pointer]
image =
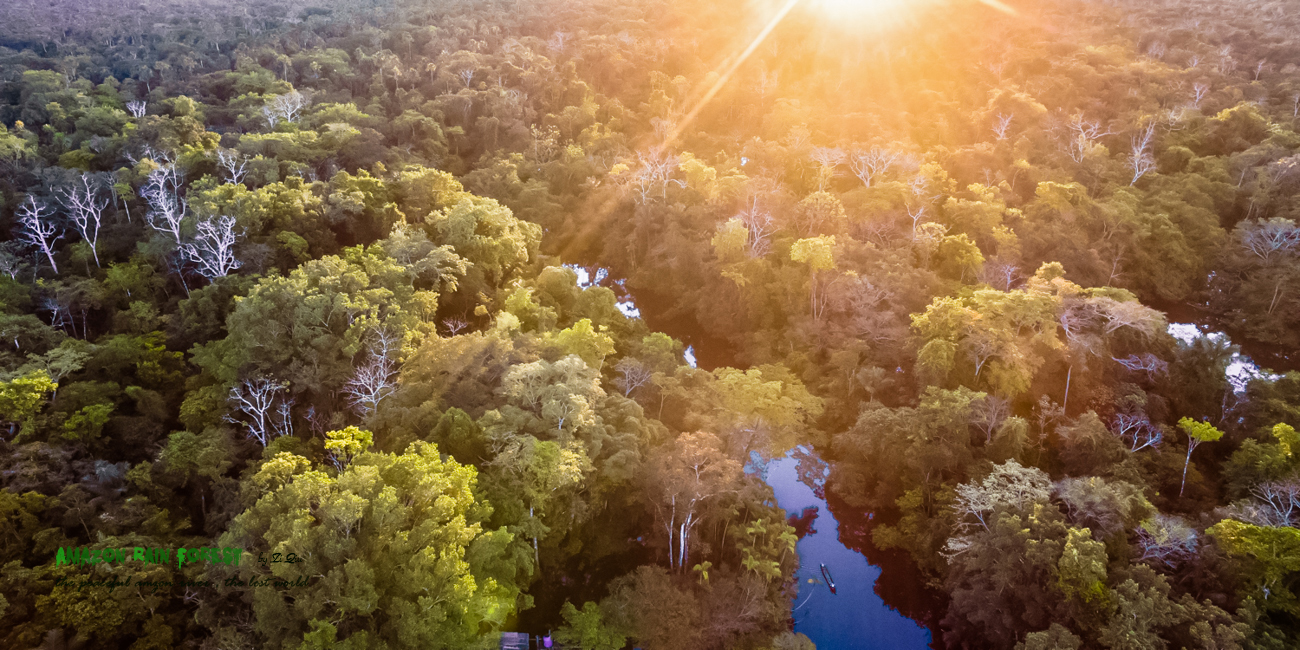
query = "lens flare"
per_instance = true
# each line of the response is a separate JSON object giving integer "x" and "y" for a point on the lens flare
{"x": 848, "y": 9}
{"x": 884, "y": 10}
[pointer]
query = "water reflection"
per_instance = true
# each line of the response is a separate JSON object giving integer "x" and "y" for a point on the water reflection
{"x": 1195, "y": 319}
{"x": 588, "y": 278}
{"x": 856, "y": 617}
{"x": 702, "y": 350}
{"x": 1241, "y": 368}
{"x": 901, "y": 585}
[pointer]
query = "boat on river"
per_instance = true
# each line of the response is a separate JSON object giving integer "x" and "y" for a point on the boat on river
{"x": 830, "y": 581}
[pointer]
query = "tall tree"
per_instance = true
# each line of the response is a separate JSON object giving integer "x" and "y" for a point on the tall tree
{"x": 386, "y": 548}
{"x": 684, "y": 480}
{"x": 38, "y": 228}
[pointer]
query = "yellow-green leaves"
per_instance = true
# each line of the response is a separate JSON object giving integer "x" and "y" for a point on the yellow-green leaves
{"x": 589, "y": 629}
{"x": 767, "y": 392}
{"x": 422, "y": 191}
{"x": 564, "y": 393}
{"x": 86, "y": 424}
{"x": 308, "y": 327}
{"x": 1272, "y": 560}
{"x": 384, "y": 545}
{"x": 993, "y": 335}
{"x": 346, "y": 444}
{"x": 1081, "y": 571}
{"x": 817, "y": 252}
{"x": 21, "y": 398}
{"x": 698, "y": 176}
{"x": 769, "y": 403}
{"x": 587, "y": 342}
{"x": 13, "y": 146}
{"x": 1287, "y": 438}
{"x": 1199, "y": 431}
{"x": 279, "y": 470}
{"x": 998, "y": 340}
{"x": 821, "y": 212}
{"x": 958, "y": 257}
{"x": 729, "y": 244}
{"x": 488, "y": 235}
{"x": 763, "y": 545}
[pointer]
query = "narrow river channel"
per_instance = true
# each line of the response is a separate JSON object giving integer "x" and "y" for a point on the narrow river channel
{"x": 855, "y": 617}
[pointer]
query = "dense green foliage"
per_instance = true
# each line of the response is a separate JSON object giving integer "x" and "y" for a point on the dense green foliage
{"x": 291, "y": 277}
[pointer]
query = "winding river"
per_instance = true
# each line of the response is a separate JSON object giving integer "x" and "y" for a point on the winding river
{"x": 870, "y": 585}
{"x": 880, "y": 601}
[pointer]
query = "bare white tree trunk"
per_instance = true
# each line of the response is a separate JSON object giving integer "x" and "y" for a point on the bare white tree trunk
{"x": 916, "y": 214}
{"x": 234, "y": 163}
{"x": 287, "y": 107}
{"x": 1082, "y": 136}
{"x": 867, "y": 164}
{"x": 1140, "y": 160}
{"x": 635, "y": 374}
{"x": 213, "y": 249}
{"x": 828, "y": 158}
{"x": 85, "y": 209}
{"x": 1001, "y": 124}
{"x": 162, "y": 191}
{"x": 761, "y": 227}
{"x": 37, "y": 227}
{"x": 1199, "y": 90}
{"x": 376, "y": 378}
{"x": 257, "y": 399}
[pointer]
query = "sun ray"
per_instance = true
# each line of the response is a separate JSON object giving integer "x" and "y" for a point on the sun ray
{"x": 727, "y": 74}
{"x": 1001, "y": 6}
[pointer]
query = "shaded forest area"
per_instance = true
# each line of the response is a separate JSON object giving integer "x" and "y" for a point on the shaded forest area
{"x": 290, "y": 277}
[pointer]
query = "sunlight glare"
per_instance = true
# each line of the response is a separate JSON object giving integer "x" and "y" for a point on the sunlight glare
{"x": 849, "y": 9}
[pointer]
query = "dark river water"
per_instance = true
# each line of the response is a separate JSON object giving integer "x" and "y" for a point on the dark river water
{"x": 880, "y": 600}
{"x": 1271, "y": 357}
{"x": 856, "y": 616}
{"x": 879, "y": 595}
